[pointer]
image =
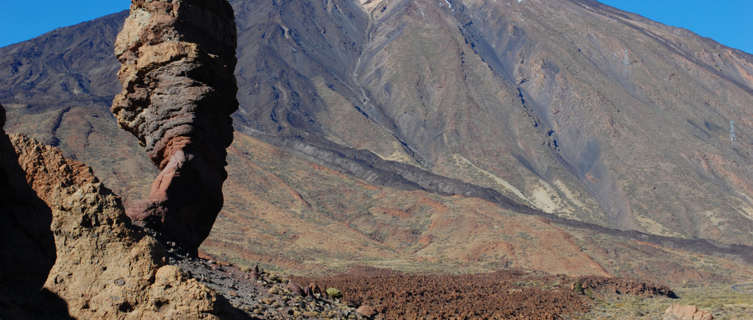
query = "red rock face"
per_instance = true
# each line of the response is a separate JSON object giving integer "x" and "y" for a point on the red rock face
{"x": 177, "y": 61}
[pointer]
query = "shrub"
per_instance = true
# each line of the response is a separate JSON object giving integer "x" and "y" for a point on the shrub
{"x": 578, "y": 288}
{"x": 334, "y": 293}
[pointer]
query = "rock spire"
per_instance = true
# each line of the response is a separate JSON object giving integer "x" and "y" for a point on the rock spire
{"x": 177, "y": 62}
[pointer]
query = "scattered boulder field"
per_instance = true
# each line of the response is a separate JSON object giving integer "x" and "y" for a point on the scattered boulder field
{"x": 388, "y": 294}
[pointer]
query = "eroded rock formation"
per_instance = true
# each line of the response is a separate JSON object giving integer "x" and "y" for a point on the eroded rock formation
{"x": 105, "y": 268}
{"x": 27, "y": 249}
{"x": 177, "y": 61}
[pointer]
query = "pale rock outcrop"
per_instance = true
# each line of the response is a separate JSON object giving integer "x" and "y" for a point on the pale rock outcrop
{"x": 685, "y": 312}
{"x": 177, "y": 62}
{"x": 366, "y": 311}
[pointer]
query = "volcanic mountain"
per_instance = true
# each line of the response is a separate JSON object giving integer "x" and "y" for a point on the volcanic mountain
{"x": 561, "y": 136}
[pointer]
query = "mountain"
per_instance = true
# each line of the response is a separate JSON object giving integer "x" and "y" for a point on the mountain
{"x": 572, "y": 107}
{"x": 561, "y": 136}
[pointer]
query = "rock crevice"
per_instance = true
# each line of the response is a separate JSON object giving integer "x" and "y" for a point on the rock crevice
{"x": 27, "y": 248}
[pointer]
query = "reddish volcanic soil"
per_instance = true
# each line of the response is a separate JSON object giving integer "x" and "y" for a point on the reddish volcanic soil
{"x": 498, "y": 295}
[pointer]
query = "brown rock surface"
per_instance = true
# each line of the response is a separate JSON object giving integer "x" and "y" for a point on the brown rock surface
{"x": 105, "y": 268}
{"x": 178, "y": 59}
{"x": 685, "y": 312}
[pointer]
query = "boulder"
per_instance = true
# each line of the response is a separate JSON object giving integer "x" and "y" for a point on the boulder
{"x": 177, "y": 72}
{"x": 295, "y": 289}
{"x": 366, "y": 311}
{"x": 686, "y": 312}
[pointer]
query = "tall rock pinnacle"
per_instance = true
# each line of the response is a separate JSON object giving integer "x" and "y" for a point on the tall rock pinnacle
{"x": 177, "y": 62}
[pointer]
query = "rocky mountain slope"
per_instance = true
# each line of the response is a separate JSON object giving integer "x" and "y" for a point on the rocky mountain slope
{"x": 289, "y": 210}
{"x": 433, "y": 135}
{"x": 571, "y": 107}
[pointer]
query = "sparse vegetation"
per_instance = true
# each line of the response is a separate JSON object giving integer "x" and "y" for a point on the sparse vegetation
{"x": 721, "y": 301}
{"x": 334, "y": 293}
{"x": 578, "y": 288}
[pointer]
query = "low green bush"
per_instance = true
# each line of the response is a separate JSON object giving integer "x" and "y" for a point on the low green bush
{"x": 334, "y": 293}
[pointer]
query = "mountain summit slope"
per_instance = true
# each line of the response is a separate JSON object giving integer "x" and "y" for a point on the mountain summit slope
{"x": 571, "y": 107}
{"x": 387, "y": 132}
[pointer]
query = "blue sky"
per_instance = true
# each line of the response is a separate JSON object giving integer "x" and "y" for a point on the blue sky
{"x": 25, "y": 19}
{"x": 728, "y": 21}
